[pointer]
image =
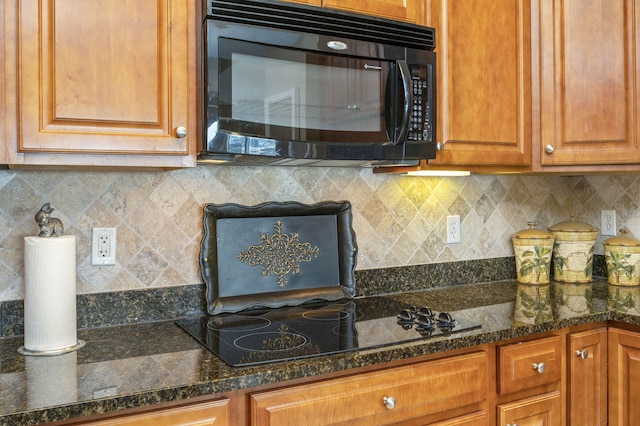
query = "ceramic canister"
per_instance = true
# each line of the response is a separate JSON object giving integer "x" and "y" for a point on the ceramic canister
{"x": 622, "y": 255}
{"x": 532, "y": 248}
{"x": 573, "y": 251}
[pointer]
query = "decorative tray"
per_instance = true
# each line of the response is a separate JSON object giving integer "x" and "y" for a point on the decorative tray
{"x": 277, "y": 254}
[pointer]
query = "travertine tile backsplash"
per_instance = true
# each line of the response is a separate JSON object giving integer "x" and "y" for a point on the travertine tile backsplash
{"x": 398, "y": 220}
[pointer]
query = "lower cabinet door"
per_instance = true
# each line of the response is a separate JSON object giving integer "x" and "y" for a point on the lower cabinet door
{"x": 587, "y": 381}
{"x": 624, "y": 377}
{"x": 212, "y": 413}
{"x": 539, "y": 410}
{"x": 389, "y": 396}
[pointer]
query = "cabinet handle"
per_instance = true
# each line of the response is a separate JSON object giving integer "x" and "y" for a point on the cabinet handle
{"x": 509, "y": 424}
{"x": 389, "y": 402}
{"x": 181, "y": 132}
{"x": 582, "y": 354}
{"x": 439, "y": 146}
{"x": 539, "y": 367}
{"x": 549, "y": 148}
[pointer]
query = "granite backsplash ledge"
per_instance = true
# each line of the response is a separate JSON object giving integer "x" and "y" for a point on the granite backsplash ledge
{"x": 97, "y": 310}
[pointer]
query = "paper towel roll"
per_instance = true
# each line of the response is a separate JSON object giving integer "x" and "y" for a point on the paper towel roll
{"x": 50, "y": 294}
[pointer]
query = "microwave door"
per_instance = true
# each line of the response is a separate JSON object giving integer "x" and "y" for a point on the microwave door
{"x": 287, "y": 94}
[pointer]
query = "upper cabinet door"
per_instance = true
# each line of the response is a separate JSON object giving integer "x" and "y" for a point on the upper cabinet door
{"x": 3, "y": 97}
{"x": 586, "y": 71}
{"x": 106, "y": 77}
{"x": 484, "y": 93}
{"x": 402, "y": 10}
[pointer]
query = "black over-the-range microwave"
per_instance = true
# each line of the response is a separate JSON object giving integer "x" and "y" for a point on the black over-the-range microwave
{"x": 291, "y": 84}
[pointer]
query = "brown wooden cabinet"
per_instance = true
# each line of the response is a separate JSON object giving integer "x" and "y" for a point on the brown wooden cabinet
{"x": 401, "y": 10}
{"x": 526, "y": 365}
{"x": 539, "y": 410}
{"x": 103, "y": 83}
{"x": 388, "y": 396}
{"x": 529, "y": 382}
{"x": 587, "y": 377}
{"x": 210, "y": 413}
{"x": 537, "y": 86}
{"x": 624, "y": 376}
{"x": 585, "y": 85}
{"x": 313, "y": 2}
{"x": 484, "y": 96}
{"x": 3, "y": 98}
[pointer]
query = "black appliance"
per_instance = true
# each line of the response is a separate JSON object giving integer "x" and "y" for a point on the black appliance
{"x": 291, "y": 84}
{"x": 267, "y": 335}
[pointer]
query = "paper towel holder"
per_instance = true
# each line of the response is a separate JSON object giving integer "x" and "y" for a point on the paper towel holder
{"x": 52, "y": 352}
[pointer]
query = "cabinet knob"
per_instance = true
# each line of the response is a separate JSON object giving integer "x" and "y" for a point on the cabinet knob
{"x": 439, "y": 146}
{"x": 539, "y": 367}
{"x": 389, "y": 402}
{"x": 509, "y": 424}
{"x": 549, "y": 148}
{"x": 181, "y": 132}
{"x": 582, "y": 353}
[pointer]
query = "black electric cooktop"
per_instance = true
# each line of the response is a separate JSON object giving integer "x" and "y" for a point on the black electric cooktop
{"x": 266, "y": 335}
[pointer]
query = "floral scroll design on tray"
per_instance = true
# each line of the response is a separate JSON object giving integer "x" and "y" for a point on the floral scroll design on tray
{"x": 279, "y": 253}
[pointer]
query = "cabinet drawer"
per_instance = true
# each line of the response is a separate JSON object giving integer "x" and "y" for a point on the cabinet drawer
{"x": 529, "y": 364}
{"x": 415, "y": 390}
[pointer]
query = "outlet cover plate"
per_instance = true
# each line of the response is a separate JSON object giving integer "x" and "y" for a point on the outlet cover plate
{"x": 608, "y": 219}
{"x": 453, "y": 229}
{"x": 103, "y": 246}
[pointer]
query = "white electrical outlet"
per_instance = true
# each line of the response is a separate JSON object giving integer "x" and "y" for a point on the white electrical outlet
{"x": 453, "y": 229}
{"x": 103, "y": 246}
{"x": 608, "y": 219}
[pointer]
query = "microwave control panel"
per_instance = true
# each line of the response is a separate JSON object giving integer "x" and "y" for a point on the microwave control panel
{"x": 420, "y": 126}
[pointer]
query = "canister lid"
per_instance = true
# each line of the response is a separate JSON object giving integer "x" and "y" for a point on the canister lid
{"x": 533, "y": 232}
{"x": 573, "y": 226}
{"x": 622, "y": 240}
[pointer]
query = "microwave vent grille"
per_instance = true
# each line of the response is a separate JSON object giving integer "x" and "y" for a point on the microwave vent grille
{"x": 297, "y": 17}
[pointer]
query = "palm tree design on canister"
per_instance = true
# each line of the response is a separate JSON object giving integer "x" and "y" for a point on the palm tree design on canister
{"x": 533, "y": 249}
{"x": 536, "y": 262}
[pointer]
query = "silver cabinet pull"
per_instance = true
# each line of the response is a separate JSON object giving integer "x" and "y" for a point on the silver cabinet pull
{"x": 439, "y": 146}
{"x": 509, "y": 424}
{"x": 539, "y": 367}
{"x": 582, "y": 353}
{"x": 181, "y": 132}
{"x": 389, "y": 402}
{"x": 549, "y": 149}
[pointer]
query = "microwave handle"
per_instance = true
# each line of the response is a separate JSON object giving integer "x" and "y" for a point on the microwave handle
{"x": 405, "y": 76}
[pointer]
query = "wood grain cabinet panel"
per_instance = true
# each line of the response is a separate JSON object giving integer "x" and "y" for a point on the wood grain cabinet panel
{"x": 3, "y": 97}
{"x": 624, "y": 377}
{"x": 587, "y": 377}
{"x": 526, "y": 365}
{"x": 484, "y": 96}
{"x": 586, "y": 81}
{"x": 118, "y": 82}
{"x": 313, "y": 2}
{"x": 212, "y": 413}
{"x": 402, "y": 10}
{"x": 475, "y": 419}
{"x": 382, "y": 397}
{"x": 541, "y": 410}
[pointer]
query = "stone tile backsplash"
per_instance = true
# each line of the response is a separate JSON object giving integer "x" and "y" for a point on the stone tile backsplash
{"x": 398, "y": 220}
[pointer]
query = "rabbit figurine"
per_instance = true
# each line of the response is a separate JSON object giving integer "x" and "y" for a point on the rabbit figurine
{"x": 49, "y": 226}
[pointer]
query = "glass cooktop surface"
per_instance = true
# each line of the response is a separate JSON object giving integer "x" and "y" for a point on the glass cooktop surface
{"x": 268, "y": 335}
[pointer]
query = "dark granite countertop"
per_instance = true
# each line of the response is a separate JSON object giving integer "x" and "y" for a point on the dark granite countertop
{"x": 135, "y": 365}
